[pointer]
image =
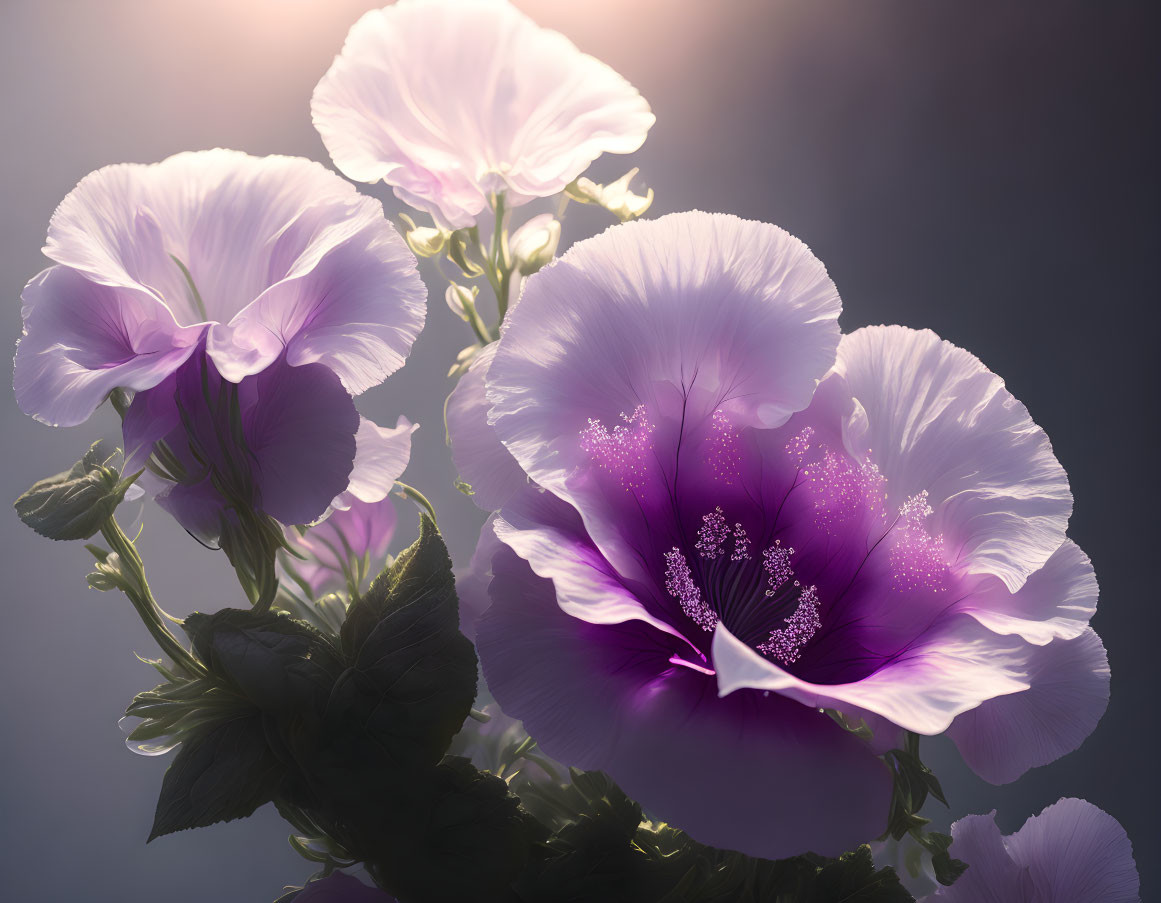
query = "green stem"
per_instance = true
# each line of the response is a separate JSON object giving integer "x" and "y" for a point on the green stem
{"x": 143, "y": 601}
{"x": 410, "y": 492}
{"x": 500, "y": 267}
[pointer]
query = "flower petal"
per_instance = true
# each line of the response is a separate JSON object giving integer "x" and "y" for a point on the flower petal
{"x": 1076, "y": 853}
{"x": 1056, "y": 603}
{"x": 548, "y": 534}
{"x": 381, "y": 456}
{"x": 940, "y": 676}
{"x": 753, "y": 772}
{"x": 300, "y": 427}
{"x": 352, "y": 300}
{"x": 472, "y": 582}
{"x": 681, "y": 315}
{"x": 363, "y": 530}
{"x": 480, "y": 459}
{"x": 505, "y": 106}
{"x": 992, "y": 876}
{"x": 82, "y": 339}
{"x": 937, "y": 419}
{"x": 1068, "y": 693}
{"x": 281, "y": 253}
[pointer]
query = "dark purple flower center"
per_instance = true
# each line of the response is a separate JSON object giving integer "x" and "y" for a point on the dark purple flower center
{"x": 785, "y": 540}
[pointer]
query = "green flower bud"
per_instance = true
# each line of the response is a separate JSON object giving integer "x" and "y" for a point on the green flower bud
{"x": 74, "y": 504}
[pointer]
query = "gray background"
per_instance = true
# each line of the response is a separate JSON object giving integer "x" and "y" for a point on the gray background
{"x": 987, "y": 169}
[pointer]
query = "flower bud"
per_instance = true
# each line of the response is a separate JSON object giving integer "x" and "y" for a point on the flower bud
{"x": 614, "y": 197}
{"x": 534, "y": 244}
{"x": 74, "y": 504}
{"x": 461, "y": 299}
{"x": 424, "y": 241}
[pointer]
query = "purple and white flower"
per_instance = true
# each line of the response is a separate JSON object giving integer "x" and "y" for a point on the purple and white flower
{"x": 1072, "y": 852}
{"x": 721, "y": 522}
{"x": 451, "y": 101}
{"x": 244, "y": 300}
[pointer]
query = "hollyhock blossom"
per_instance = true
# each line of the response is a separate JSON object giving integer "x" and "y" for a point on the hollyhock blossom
{"x": 1072, "y": 852}
{"x": 244, "y": 300}
{"x": 721, "y": 523}
{"x": 451, "y": 101}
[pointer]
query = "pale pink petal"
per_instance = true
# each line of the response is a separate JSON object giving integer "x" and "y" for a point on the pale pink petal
{"x": 480, "y": 459}
{"x": 1056, "y": 603}
{"x": 1076, "y": 853}
{"x": 449, "y": 101}
{"x": 381, "y": 456}
{"x": 83, "y": 339}
{"x": 282, "y": 252}
{"x": 1068, "y": 694}
{"x": 935, "y": 419}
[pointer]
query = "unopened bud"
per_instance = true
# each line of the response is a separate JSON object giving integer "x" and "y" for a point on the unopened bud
{"x": 534, "y": 244}
{"x": 461, "y": 299}
{"x": 424, "y": 241}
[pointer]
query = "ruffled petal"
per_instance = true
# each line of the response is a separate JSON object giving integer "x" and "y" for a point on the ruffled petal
{"x": 992, "y": 876}
{"x": 934, "y": 418}
{"x": 1068, "y": 693}
{"x": 480, "y": 459}
{"x": 923, "y": 689}
{"x": 275, "y": 252}
{"x": 1076, "y": 853}
{"x": 82, "y": 339}
{"x": 1056, "y": 603}
{"x": 353, "y": 301}
{"x": 381, "y": 456}
{"x": 507, "y": 106}
{"x": 753, "y": 772}
{"x": 682, "y": 316}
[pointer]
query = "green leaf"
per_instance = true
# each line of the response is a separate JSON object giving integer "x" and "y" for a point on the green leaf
{"x": 75, "y": 503}
{"x": 281, "y": 665}
{"x": 455, "y": 834}
{"x": 223, "y": 774}
{"x": 412, "y": 678}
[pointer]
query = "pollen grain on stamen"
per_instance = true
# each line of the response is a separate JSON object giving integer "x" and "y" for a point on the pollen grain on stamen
{"x": 679, "y": 583}
{"x": 741, "y": 544}
{"x": 842, "y": 489}
{"x": 623, "y": 453}
{"x": 786, "y": 643}
{"x": 712, "y": 534}
{"x": 799, "y": 445}
{"x": 917, "y": 557}
{"x": 776, "y": 564}
{"x": 725, "y": 451}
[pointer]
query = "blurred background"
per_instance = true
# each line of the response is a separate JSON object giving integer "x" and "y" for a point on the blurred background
{"x": 987, "y": 169}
